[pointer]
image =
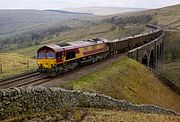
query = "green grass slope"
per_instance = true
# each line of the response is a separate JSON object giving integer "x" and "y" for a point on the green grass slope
{"x": 129, "y": 80}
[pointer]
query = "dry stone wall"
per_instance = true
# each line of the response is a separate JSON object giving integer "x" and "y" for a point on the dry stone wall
{"x": 39, "y": 99}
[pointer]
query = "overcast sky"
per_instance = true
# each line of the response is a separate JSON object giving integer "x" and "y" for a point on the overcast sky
{"x": 60, "y": 4}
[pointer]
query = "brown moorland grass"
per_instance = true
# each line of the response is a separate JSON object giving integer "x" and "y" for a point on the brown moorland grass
{"x": 93, "y": 115}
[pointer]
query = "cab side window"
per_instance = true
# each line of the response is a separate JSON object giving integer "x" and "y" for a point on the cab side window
{"x": 59, "y": 55}
{"x": 70, "y": 55}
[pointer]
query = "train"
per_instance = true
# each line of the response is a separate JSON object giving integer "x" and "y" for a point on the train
{"x": 54, "y": 59}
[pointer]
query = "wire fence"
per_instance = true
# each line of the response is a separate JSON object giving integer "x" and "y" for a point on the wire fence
{"x": 15, "y": 66}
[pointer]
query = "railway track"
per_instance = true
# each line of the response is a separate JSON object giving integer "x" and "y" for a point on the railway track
{"x": 21, "y": 80}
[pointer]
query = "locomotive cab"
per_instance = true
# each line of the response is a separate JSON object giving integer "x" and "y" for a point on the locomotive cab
{"x": 47, "y": 58}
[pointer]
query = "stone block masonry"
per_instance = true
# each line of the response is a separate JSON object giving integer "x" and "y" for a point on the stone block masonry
{"x": 40, "y": 99}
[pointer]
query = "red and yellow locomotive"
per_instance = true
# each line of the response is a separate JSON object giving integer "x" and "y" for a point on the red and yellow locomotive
{"x": 57, "y": 58}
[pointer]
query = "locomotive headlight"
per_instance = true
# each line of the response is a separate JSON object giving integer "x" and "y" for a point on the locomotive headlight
{"x": 39, "y": 63}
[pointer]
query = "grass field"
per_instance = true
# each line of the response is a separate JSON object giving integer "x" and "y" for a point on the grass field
{"x": 13, "y": 64}
{"x": 129, "y": 80}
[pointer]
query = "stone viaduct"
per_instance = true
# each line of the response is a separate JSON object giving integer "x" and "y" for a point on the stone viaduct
{"x": 149, "y": 54}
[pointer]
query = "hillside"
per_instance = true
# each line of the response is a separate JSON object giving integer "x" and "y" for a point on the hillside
{"x": 16, "y": 20}
{"x": 162, "y": 16}
{"x": 103, "y": 10}
{"x": 168, "y": 15}
{"x": 129, "y": 80}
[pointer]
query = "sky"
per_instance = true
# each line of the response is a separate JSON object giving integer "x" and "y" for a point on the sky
{"x": 60, "y": 4}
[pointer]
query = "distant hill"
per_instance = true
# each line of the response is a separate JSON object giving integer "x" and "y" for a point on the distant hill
{"x": 15, "y": 20}
{"x": 163, "y": 16}
{"x": 103, "y": 10}
{"x": 68, "y": 12}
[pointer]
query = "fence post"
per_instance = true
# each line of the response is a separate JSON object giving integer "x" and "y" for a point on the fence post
{"x": 1, "y": 68}
{"x": 28, "y": 64}
{"x": 14, "y": 64}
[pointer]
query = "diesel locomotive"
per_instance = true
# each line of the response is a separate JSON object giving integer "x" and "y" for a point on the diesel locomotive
{"x": 54, "y": 59}
{"x": 57, "y": 58}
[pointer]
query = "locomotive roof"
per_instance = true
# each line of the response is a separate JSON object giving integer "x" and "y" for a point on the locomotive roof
{"x": 72, "y": 45}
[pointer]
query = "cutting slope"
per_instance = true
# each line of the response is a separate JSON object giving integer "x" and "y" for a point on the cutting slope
{"x": 129, "y": 80}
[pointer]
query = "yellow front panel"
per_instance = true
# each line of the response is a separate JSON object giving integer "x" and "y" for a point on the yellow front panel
{"x": 46, "y": 63}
